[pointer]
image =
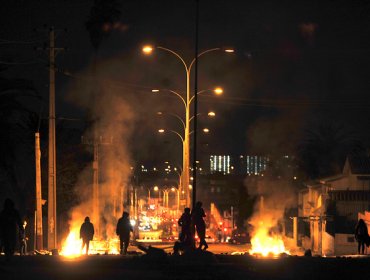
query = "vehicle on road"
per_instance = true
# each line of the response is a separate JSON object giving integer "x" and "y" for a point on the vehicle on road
{"x": 240, "y": 238}
{"x": 209, "y": 239}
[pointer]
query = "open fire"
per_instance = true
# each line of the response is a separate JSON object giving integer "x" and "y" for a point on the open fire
{"x": 265, "y": 243}
{"x": 266, "y": 239}
{"x": 71, "y": 247}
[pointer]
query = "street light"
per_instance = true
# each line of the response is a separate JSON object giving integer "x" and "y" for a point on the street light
{"x": 211, "y": 114}
{"x": 156, "y": 189}
{"x": 147, "y": 49}
{"x": 218, "y": 91}
{"x": 186, "y": 101}
{"x": 162, "y": 130}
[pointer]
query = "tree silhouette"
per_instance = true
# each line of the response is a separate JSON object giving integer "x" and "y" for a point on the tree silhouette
{"x": 103, "y": 14}
{"x": 18, "y": 124}
{"x": 324, "y": 148}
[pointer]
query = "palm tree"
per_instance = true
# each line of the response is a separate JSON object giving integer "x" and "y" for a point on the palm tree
{"x": 103, "y": 13}
{"x": 324, "y": 148}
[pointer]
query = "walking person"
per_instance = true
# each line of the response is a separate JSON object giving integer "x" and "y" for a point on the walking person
{"x": 10, "y": 224}
{"x": 86, "y": 234}
{"x": 123, "y": 230}
{"x": 23, "y": 239}
{"x": 361, "y": 235}
{"x": 185, "y": 223}
{"x": 197, "y": 216}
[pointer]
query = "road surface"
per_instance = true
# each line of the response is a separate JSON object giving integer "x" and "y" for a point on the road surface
{"x": 193, "y": 266}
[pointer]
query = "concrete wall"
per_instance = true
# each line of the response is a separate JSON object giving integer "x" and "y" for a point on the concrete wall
{"x": 328, "y": 244}
{"x": 345, "y": 244}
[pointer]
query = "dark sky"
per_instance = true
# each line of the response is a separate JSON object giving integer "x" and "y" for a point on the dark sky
{"x": 298, "y": 64}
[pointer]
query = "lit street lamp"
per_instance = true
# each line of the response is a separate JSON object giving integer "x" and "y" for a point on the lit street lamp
{"x": 187, "y": 102}
{"x": 156, "y": 189}
{"x": 211, "y": 114}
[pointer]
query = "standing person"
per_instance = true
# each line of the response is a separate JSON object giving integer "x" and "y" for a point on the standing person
{"x": 197, "y": 216}
{"x": 10, "y": 224}
{"x": 86, "y": 234}
{"x": 185, "y": 223}
{"x": 123, "y": 230}
{"x": 361, "y": 235}
{"x": 219, "y": 235}
{"x": 23, "y": 239}
{"x": 185, "y": 241}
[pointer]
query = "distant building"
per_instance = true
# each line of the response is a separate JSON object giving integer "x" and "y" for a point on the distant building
{"x": 220, "y": 164}
{"x": 241, "y": 165}
{"x": 330, "y": 208}
{"x": 253, "y": 164}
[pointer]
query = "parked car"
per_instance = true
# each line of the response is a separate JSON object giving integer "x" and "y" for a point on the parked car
{"x": 240, "y": 238}
{"x": 208, "y": 239}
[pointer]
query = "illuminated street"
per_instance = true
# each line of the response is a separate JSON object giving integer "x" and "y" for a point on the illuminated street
{"x": 184, "y": 139}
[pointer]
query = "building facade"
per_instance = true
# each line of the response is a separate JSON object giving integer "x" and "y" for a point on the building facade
{"x": 329, "y": 208}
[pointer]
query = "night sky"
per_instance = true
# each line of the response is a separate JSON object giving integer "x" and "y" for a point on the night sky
{"x": 298, "y": 65}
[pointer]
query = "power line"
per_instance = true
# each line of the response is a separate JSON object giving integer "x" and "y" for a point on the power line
{"x": 6, "y": 41}
{"x": 237, "y": 101}
{"x": 20, "y": 62}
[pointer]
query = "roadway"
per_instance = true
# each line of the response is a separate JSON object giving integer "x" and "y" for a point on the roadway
{"x": 193, "y": 266}
{"x": 215, "y": 248}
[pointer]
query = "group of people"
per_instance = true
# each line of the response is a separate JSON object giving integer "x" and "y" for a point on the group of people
{"x": 12, "y": 229}
{"x": 191, "y": 221}
{"x": 123, "y": 230}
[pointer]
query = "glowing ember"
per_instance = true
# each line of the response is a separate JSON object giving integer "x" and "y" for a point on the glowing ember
{"x": 266, "y": 244}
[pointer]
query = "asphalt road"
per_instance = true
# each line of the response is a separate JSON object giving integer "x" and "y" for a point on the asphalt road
{"x": 216, "y": 248}
{"x": 193, "y": 266}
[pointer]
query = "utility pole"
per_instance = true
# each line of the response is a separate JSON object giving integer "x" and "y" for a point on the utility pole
{"x": 96, "y": 142}
{"x": 38, "y": 216}
{"x": 52, "y": 176}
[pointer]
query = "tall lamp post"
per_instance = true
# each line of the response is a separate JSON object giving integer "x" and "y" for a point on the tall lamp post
{"x": 182, "y": 185}
{"x": 186, "y": 102}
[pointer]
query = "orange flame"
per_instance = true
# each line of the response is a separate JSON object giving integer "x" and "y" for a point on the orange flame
{"x": 266, "y": 244}
{"x": 71, "y": 247}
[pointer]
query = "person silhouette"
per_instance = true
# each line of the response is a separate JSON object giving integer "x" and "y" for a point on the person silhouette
{"x": 23, "y": 239}
{"x": 123, "y": 230}
{"x": 86, "y": 234}
{"x": 10, "y": 224}
{"x": 185, "y": 223}
{"x": 197, "y": 216}
{"x": 361, "y": 235}
{"x": 185, "y": 241}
